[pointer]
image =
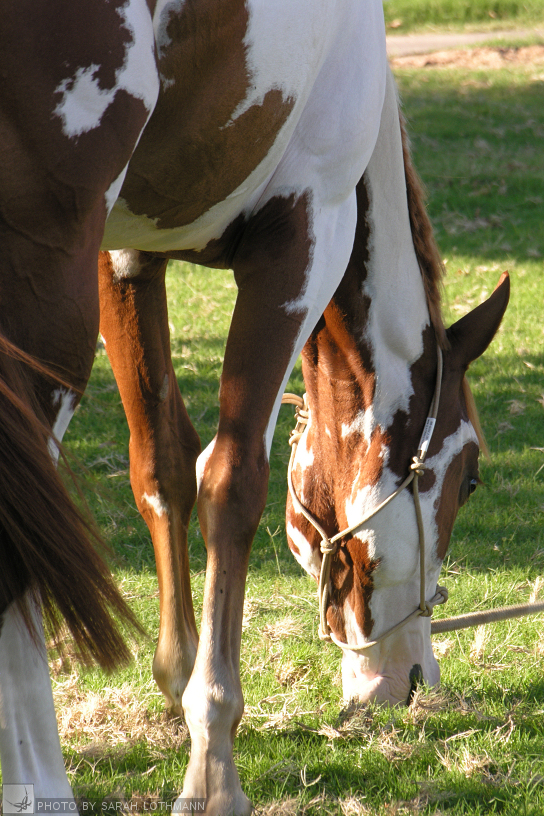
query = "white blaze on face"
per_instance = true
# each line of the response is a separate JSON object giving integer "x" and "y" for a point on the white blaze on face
{"x": 382, "y": 672}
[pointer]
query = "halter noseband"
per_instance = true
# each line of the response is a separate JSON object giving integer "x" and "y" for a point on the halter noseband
{"x": 330, "y": 545}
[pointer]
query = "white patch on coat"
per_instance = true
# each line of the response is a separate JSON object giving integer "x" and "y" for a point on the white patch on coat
{"x": 164, "y": 10}
{"x": 64, "y": 401}
{"x": 308, "y": 557}
{"x": 112, "y": 193}
{"x": 126, "y": 263}
{"x": 325, "y": 143}
{"x": 304, "y": 459}
{"x": 398, "y": 311}
{"x": 202, "y": 461}
{"x": 29, "y": 741}
{"x": 84, "y": 102}
{"x": 362, "y": 424}
{"x": 157, "y": 503}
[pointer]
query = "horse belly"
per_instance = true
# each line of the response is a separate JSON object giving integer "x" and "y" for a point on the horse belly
{"x": 236, "y": 78}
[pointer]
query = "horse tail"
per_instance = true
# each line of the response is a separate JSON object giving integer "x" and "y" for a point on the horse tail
{"x": 48, "y": 550}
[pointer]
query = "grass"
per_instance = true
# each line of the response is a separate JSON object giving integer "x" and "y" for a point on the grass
{"x": 476, "y": 746}
{"x": 405, "y": 16}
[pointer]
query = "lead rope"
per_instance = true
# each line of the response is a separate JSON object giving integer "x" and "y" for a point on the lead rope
{"x": 329, "y": 546}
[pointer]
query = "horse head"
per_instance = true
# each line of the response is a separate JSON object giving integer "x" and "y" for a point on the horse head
{"x": 390, "y": 449}
{"x": 355, "y": 474}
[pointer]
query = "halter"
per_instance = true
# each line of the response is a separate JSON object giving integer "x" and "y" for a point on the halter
{"x": 329, "y": 546}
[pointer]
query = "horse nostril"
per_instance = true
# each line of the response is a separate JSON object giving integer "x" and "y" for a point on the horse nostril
{"x": 415, "y": 677}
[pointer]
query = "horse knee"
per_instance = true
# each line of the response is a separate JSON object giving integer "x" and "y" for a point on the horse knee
{"x": 232, "y": 488}
{"x": 162, "y": 475}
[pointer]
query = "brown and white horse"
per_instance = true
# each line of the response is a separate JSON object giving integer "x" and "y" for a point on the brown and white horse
{"x": 264, "y": 137}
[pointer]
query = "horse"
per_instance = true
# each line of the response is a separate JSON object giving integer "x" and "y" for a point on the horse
{"x": 265, "y": 138}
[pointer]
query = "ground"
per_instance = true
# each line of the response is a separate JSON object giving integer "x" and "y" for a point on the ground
{"x": 484, "y": 57}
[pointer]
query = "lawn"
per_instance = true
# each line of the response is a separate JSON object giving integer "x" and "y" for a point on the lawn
{"x": 403, "y": 16}
{"x": 476, "y": 746}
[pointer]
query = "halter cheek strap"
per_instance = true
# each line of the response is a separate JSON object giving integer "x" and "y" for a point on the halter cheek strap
{"x": 329, "y": 546}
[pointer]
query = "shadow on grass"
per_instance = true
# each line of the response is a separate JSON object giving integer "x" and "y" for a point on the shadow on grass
{"x": 477, "y": 143}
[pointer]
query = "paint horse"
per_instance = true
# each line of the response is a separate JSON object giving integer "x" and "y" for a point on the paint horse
{"x": 262, "y": 137}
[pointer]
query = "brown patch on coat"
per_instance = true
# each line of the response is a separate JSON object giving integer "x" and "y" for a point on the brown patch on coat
{"x": 407, "y": 427}
{"x": 53, "y": 184}
{"x": 179, "y": 170}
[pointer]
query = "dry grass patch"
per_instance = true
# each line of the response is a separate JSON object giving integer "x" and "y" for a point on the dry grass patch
{"x": 290, "y": 674}
{"x": 115, "y": 717}
{"x": 460, "y": 759}
{"x": 427, "y": 701}
{"x": 285, "y": 628}
{"x": 294, "y": 806}
{"x": 260, "y": 717}
{"x": 479, "y": 643}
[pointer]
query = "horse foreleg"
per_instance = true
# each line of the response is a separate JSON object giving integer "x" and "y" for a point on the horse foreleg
{"x": 285, "y": 281}
{"x": 163, "y": 445}
{"x": 233, "y": 478}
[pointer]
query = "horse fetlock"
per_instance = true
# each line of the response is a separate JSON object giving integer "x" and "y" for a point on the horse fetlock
{"x": 172, "y": 668}
{"x": 212, "y": 776}
{"x": 212, "y": 711}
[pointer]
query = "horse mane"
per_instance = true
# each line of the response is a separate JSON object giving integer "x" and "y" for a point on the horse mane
{"x": 427, "y": 253}
{"x": 432, "y": 268}
{"x": 48, "y": 549}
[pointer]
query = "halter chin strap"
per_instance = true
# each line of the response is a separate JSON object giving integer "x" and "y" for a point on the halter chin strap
{"x": 330, "y": 545}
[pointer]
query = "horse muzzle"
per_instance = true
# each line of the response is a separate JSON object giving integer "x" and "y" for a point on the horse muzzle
{"x": 389, "y": 672}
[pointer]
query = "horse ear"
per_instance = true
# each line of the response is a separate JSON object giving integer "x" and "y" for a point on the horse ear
{"x": 472, "y": 334}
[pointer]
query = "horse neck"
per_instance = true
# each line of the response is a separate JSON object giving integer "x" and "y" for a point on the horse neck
{"x": 358, "y": 363}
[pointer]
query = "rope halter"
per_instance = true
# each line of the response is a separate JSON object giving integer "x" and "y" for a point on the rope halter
{"x": 329, "y": 546}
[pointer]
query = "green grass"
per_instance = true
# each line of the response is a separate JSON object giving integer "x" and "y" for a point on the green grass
{"x": 477, "y": 746}
{"x": 404, "y": 16}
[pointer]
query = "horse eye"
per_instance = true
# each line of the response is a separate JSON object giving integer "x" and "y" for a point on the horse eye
{"x": 472, "y": 485}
